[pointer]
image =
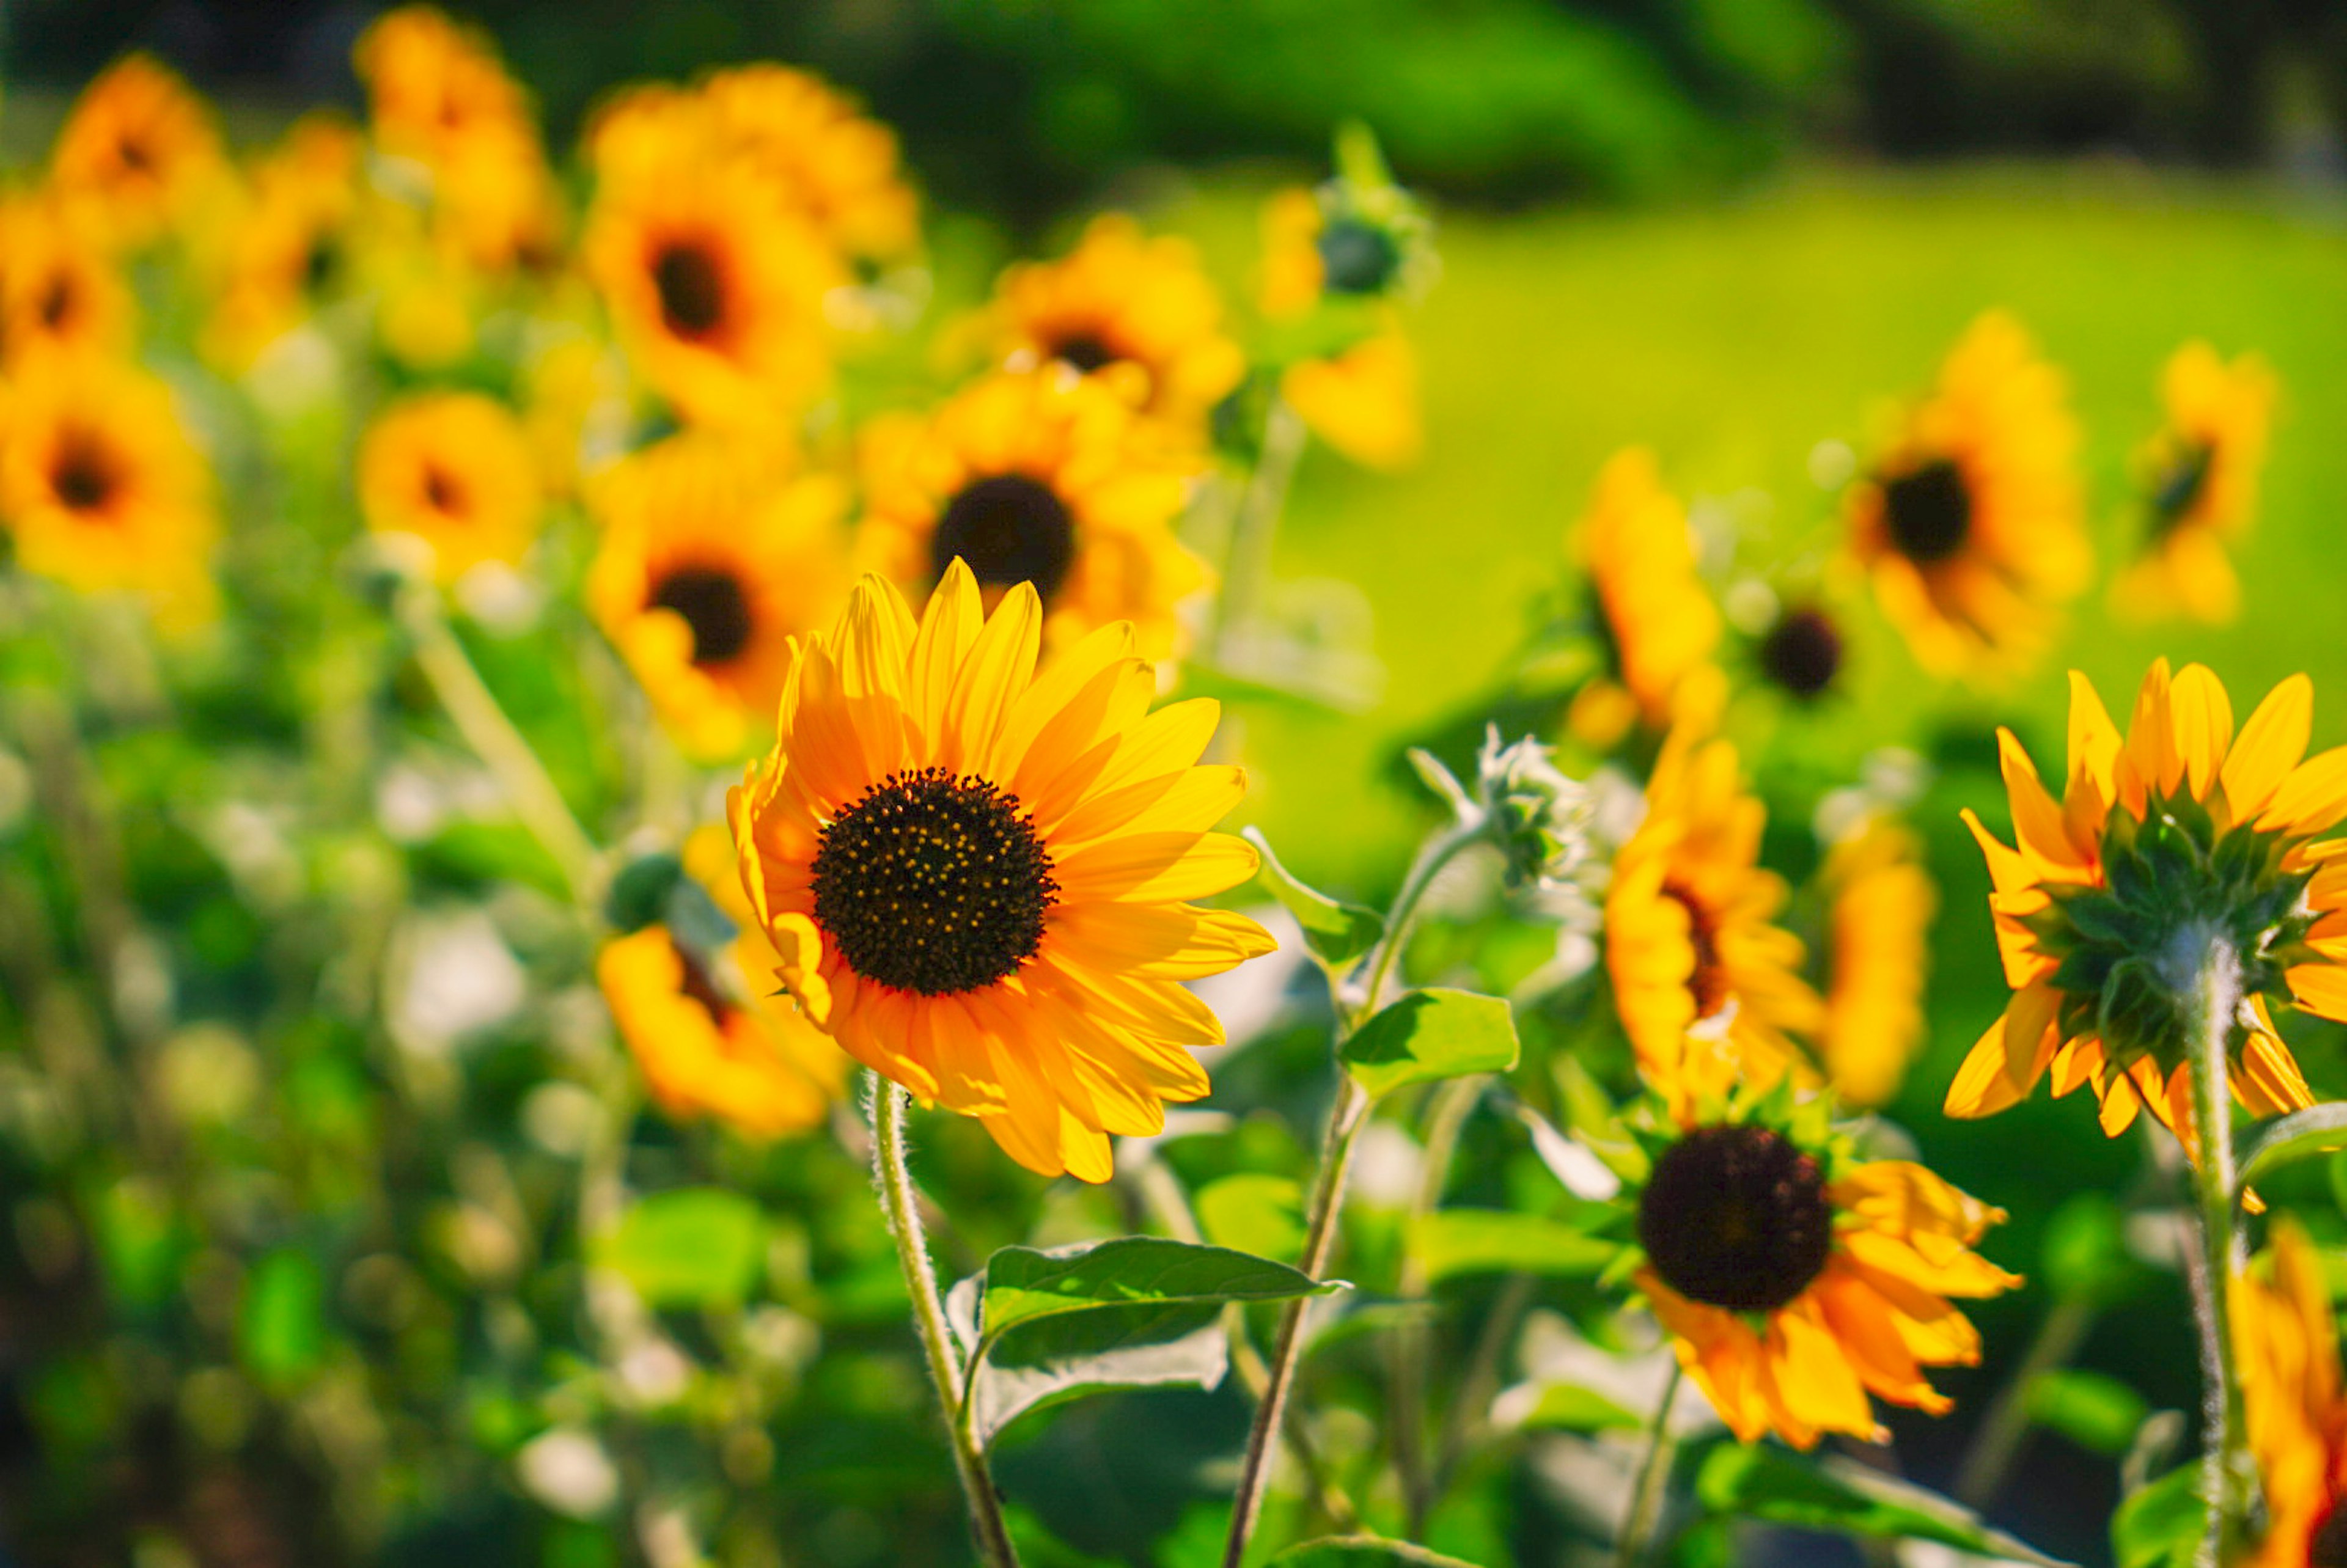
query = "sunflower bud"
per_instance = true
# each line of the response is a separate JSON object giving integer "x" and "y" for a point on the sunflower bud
{"x": 1537, "y": 816}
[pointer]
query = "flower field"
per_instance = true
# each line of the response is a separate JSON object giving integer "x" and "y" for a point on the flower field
{"x": 701, "y": 863}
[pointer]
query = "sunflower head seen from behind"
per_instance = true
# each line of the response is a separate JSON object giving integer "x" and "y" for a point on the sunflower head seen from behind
{"x": 2185, "y": 842}
{"x": 1794, "y": 1278}
{"x": 977, "y": 875}
{"x": 2200, "y": 476}
{"x": 1969, "y": 520}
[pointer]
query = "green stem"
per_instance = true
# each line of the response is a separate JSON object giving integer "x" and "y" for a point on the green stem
{"x": 2216, "y": 994}
{"x": 474, "y": 709}
{"x": 1246, "y": 564}
{"x": 1411, "y": 1346}
{"x": 1653, "y": 1470}
{"x": 898, "y": 1202}
{"x": 1998, "y": 1443}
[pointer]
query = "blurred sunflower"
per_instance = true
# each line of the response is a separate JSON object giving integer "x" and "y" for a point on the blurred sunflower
{"x": 718, "y": 297}
{"x": 60, "y": 293}
{"x": 1357, "y": 238}
{"x": 1653, "y": 617}
{"x": 1362, "y": 400}
{"x": 1138, "y": 314}
{"x": 138, "y": 149}
{"x": 1879, "y": 927}
{"x": 1691, "y": 942}
{"x": 2200, "y": 478}
{"x": 437, "y": 95}
{"x": 1042, "y": 479}
{"x": 711, "y": 561}
{"x": 456, "y": 470}
{"x": 2182, "y": 839}
{"x": 102, "y": 488}
{"x": 1969, "y": 522}
{"x": 286, "y": 245}
{"x": 707, "y": 1037}
{"x": 1800, "y": 653}
{"x": 977, "y": 874}
{"x": 1795, "y": 1281}
{"x": 2287, "y": 1341}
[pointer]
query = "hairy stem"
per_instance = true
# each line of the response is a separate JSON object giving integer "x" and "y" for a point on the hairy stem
{"x": 2216, "y": 994}
{"x": 1653, "y": 1470}
{"x": 898, "y": 1202}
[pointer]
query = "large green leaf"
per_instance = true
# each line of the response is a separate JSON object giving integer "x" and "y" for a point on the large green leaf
{"x": 2161, "y": 1525}
{"x": 1452, "y": 1242}
{"x": 1362, "y": 1552}
{"x": 1845, "y": 1499}
{"x": 2318, "y": 1130}
{"x": 690, "y": 1246}
{"x": 1337, "y": 933}
{"x": 1432, "y": 1034}
{"x": 1024, "y": 1283}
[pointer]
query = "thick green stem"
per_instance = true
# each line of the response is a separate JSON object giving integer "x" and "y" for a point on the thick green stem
{"x": 2226, "y": 1479}
{"x": 1654, "y": 1471}
{"x": 898, "y": 1202}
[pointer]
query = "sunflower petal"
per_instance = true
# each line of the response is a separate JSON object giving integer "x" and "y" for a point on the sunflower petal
{"x": 2203, "y": 717}
{"x": 2268, "y": 746}
{"x": 2312, "y": 798}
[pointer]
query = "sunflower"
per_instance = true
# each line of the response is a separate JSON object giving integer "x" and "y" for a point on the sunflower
{"x": 1654, "y": 621}
{"x": 2181, "y": 839}
{"x": 139, "y": 150}
{"x": 1691, "y": 941}
{"x": 711, "y": 563}
{"x": 1357, "y": 238}
{"x": 2287, "y": 1342}
{"x": 59, "y": 290}
{"x": 102, "y": 488}
{"x": 2201, "y": 484}
{"x": 1362, "y": 400}
{"x": 1044, "y": 479}
{"x": 1969, "y": 522}
{"x": 287, "y": 245}
{"x": 1800, "y": 653}
{"x": 1137, "y": 313}
{"x": 456, "y": 470}
{"x": 1879, "y": 934}
{"x": 1795, "y": 1281}
{"x": 438, "y": 96}
{"x": 717, "y": 296}
{"x": 976, "y": 873}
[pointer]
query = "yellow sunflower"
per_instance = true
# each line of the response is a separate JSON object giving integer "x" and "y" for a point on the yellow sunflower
{"x": 59, "y": 290}
{"x": 717, "y": 296}
{"x": 456, "y": 470}
{"x": 1691, "y": 942}
{"x": 287, "y": 243}
{"x": 976, "y": 873}
{"x": 101, "y": 488}
{"x": 438, "y": 95}
{"x": 711, "y": 563}
{"x": 1139, "y": 314}
{"x": 2182, "y": 838}
{"x": 2287, "y": 1341}
{"x": 1357, "y": 238}
{"x": 1042, "y": 479}
{"x": 1969, "y": 522}
{"x": 1655, "y": 621}
{"x": 139, "y": 151}
{"x": 1795, "y": 1281}
{"x": 1362, "y": 400}
{"x": 1879, "y": 934}
{"x": 2201, "y": 484}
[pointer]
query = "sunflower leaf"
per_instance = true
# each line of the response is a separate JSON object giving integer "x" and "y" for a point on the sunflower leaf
{"x": 1430, "y": 1034}
{"x": 1845, "y": 1498}
{"x": 1337, "y": 933}
{"x": 1452, "y": 1242}
{"x": 2318, "y": 1130}
{"x": 1362, "y": 1552}
{"x": 1047, "y": 1361}
{"x": 1024, "y": 1283}
{"x": 2161, "y": 1525}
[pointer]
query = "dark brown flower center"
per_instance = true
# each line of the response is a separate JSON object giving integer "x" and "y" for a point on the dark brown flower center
{"x": 1803, "y": 653}
{"x": 1357, "y": 257}
{"x": 1086, "y": 350}
{"x": 1929, "y": 512}
{"x": 85, "y": 474}
{"x": 934, "y": 884}
{"x": 1009, "y": 528}
{"x": 712, "y": 602}
{"x": 692, "y": 289}
{"x": 2181, "y": 484}
{"x": 696, "y": 982}
{"x": 57, "y": 301}
{"x": 1707, "y": 981}
{"x": 1737, "y": 1217}
{"x": 2327, "y": 1547}
{"x": 443, "y": 491}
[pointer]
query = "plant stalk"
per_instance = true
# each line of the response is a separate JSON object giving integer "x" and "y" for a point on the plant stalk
{"x": 1654, "y": 1471}
{"x": 898, "y": 1202}
{"x": 1255, "y": 525}
{"x": 2216, "y": 995}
